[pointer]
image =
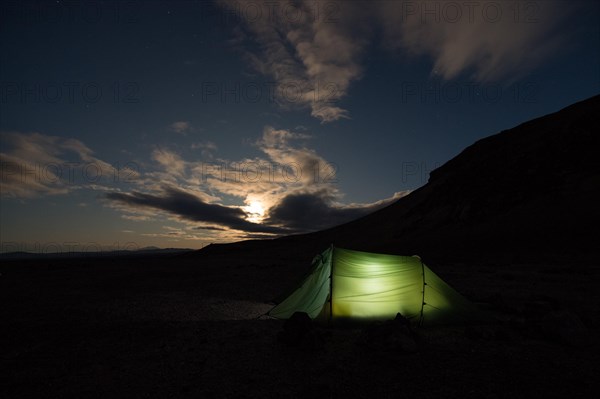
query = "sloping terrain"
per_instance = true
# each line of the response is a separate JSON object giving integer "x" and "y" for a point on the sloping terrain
{"x": 528, "y": 193}
{"x": 189, "y": 325}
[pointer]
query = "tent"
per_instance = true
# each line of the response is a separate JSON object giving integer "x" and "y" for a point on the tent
{"x": 345, "y": 284}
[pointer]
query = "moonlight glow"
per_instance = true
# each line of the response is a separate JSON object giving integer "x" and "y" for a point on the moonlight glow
{"x": 215, "y": 121}
{"x": 255, "y": 211}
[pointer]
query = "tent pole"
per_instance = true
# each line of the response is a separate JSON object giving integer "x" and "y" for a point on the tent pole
{"x": 423, "y": 297}
{"x": 331, "y": 286}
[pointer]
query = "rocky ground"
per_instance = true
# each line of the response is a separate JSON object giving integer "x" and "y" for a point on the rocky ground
{"x": 191, "y": 327}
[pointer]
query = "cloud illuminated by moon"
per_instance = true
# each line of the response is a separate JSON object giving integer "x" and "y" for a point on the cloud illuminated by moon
{"x": 255, "y": 212}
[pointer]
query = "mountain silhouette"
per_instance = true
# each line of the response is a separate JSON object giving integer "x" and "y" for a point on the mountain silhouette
{"x": 530, "y": 193}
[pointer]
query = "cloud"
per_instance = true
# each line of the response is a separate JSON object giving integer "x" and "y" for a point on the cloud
{"x": 191, "y": 208}
{"x": 36, "y": 164}
{"x": 493, "y": 40}
{"x": 181, "y": 127}
{"x": 315, "y": 50}
{"x": 284, "y": 195}
{"x": 279, "y": 138}
{"x": 207, "y": 148}
{"x": 169, "y": 161}
{"x": 313, "y": 59}
{"x": 284, "y": 166}
{"x": 284, "y": 191}
{"x": 279, "y": 190}
{"x": 297, "y": 164}
{"x": 318, "y": 210}
{"x": 204, "y": 145}
{"x": 215, "y": 228}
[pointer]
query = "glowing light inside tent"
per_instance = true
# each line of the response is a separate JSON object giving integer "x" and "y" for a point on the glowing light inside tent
{"x": 373, "y": 286}
{"x": 363, "y": 288}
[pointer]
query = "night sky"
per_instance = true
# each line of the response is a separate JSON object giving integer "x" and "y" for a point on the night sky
{"x": 127, "y": 124}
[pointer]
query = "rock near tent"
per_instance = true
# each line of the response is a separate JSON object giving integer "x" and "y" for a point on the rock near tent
{"x": 353, "y": 285}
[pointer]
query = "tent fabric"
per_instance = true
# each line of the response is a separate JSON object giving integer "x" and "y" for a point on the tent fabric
{"x": 312, "y": 293}
{"x": 373, "y": 286}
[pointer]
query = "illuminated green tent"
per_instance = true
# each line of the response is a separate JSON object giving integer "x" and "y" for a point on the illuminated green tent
{"x": 372, "y": 286}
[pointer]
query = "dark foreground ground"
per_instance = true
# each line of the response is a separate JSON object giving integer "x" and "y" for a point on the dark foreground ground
{"x": 138, "y": 328}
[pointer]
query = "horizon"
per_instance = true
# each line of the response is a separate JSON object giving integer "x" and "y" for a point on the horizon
{"x": 180, "y": 124}
{"x": 76, "y": 249}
